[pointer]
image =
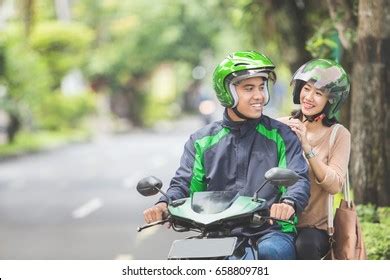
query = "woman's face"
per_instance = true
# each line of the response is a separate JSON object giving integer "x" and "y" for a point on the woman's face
{"x": 312, "y": 100}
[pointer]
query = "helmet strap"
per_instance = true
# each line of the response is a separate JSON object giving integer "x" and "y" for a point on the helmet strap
{"x": 319, "y": 116}
{"x": 315, "y": 118}
{"x": 240, "y": 115}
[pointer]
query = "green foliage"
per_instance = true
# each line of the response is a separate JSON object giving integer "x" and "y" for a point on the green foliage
{"x": 44, "y": 10}
{"x": 133, "y": 38}
{"x": 278, "y": 28}
{"x": 377, "y": 240}
{"x": 31, "y": 142}
{"x": 375, "y": 224}
{"x": 62, "y": 45}
{"x": 325, "y": 42}
{"x": 25, "y": 75}
{"x": 134, "y": 43}
{"x": 157, "y": 110}
{"x": 384, "y": 215}
{"x": 29, "y": 81}
{"x": 367, "y": 213}
{"x": 57, "y": 112}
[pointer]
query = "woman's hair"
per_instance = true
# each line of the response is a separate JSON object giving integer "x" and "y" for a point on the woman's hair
{"x": 297, "y": 114}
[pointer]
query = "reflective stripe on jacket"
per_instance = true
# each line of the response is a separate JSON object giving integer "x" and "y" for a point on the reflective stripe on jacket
{"x": 227, "y": 155}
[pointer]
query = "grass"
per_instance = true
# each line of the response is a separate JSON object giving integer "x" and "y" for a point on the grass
{"x": 375, "y": 222}
{"x": 26, "y": 142}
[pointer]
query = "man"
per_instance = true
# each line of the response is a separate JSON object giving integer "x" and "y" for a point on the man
{"x": 233, "y": 154}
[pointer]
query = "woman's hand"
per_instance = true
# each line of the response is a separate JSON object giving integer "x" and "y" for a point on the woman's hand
{"x": 300, "y": 130}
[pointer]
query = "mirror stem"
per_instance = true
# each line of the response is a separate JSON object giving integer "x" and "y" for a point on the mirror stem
{"x": 164, "y": 194}
{"x": 259, "y": 189}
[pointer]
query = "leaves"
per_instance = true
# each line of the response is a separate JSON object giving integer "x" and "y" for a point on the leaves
{"x": 62, "y": 45}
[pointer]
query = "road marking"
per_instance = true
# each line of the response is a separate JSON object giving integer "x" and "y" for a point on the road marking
{"x": 123, "y": 257}
{"x": 88, "y": 208}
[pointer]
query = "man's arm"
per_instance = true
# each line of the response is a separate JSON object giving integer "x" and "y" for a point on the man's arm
{"x": 298, "y": 193}
{"x": 179, "y": 187}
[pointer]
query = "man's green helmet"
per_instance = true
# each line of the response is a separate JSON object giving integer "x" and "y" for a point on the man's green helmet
{"x": 239, "y": 66}
{"x": 327, "y": 76}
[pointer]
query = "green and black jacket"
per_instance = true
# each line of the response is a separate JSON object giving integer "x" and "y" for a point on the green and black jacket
{"x": 227, "y": 155}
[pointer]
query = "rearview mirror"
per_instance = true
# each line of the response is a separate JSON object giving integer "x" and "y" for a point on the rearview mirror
{"x": 281, "y": 176}
{"x": 149, "y": 186}
{"x": 278, "y": 176}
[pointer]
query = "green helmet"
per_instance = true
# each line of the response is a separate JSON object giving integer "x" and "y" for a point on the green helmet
{"x": 327, "y": 76}
{"x": 239, "y": 66}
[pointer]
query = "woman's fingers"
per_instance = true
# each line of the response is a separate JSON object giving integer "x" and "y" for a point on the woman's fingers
{"x": 297, "y": 132}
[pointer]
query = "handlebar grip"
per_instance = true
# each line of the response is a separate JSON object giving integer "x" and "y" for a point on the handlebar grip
{"x": 279, "y": 220}
{"x": 140, "y": 228}
{"x": 257, "y": 218}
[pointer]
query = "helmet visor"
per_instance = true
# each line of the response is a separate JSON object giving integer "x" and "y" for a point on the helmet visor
{"x": 246, "y": 74}
{"x": 323, "y": 79}
{"x": 232, "y": 80}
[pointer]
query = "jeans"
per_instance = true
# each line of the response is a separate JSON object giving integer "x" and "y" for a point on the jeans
{"x": 274, "y": 245}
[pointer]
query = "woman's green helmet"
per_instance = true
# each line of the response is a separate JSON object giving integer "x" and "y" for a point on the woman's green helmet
{"x": 327, "y": 76}
{"x": 239, "y": 66}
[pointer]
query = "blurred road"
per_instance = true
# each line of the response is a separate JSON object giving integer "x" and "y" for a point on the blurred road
{"x": 80, "y": 202}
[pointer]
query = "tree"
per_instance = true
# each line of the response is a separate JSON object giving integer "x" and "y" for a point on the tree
{"x": 344, "y": 19}
{"x": 63, "y": 46}
{"x": 370, "y": 121}
{"x": 27, "y": 10}
{"x": 22, "y": 96}
{"x": 277, "y": 27}
{"x": 28, "y": 14}
{"x": 362, "y": 30}
{"x": 134, "y": 38}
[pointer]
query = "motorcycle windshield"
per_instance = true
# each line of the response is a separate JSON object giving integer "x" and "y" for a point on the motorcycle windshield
{"x": 212, "y": 202}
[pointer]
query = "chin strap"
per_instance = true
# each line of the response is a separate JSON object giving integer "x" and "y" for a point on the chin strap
{"x": 315, "y": 118}
{"x": 320, "y": 116}
{"x": 240, "y": 115}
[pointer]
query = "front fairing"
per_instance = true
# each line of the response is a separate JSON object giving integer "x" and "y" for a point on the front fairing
{"x": 214, "y": 208}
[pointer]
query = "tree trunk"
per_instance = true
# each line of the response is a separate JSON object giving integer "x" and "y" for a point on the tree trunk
{"x": 341, "y": 13}
{"x": 370, "y": 130}
{"x": 12, "y": 128}
{"x": 345, "y": 112}
{"x": 28, "y": 14}
{"x": 292, "y": 36}
{"x": 299, "y": 26}
{"x": 62, "y": 8}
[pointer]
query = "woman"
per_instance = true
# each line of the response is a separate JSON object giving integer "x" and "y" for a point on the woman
{"x": 320, "y": 87}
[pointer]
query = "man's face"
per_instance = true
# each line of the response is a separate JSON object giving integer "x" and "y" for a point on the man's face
{"x": 251, "y": 97}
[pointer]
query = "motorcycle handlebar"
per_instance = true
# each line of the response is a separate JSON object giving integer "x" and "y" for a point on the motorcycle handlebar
{"x": 280, "y": 220}
{"x": 258, "y": 218}
{"x": 140, "y": 228}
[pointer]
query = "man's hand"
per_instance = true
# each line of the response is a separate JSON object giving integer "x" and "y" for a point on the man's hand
{"x": 156, "y": 213}
{"x": 281, "y": 211}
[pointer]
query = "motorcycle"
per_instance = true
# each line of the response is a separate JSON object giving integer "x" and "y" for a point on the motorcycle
{"x": 218, "y": 217}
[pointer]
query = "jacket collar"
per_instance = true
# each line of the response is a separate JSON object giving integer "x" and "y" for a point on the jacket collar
{"x": 242, "y": 126}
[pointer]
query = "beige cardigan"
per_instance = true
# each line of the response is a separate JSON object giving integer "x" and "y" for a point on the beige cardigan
{"x": 336, "y": 158}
